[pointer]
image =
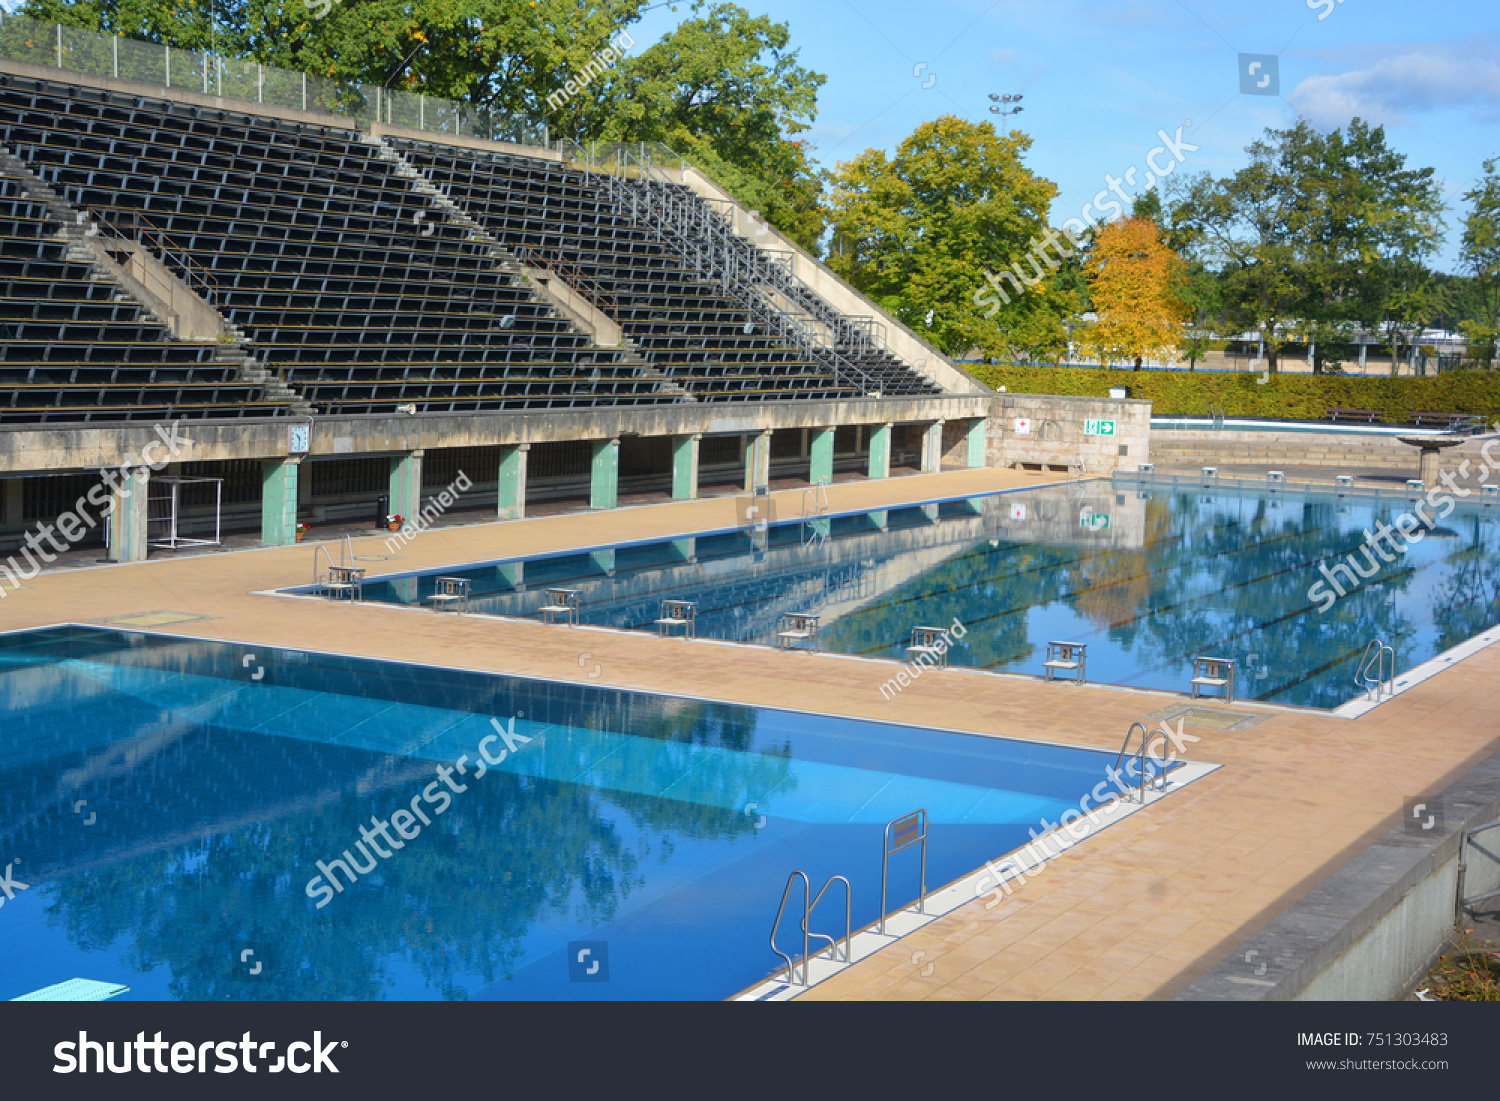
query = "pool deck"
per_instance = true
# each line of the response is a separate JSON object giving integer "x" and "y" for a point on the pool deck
{"x": 1137, "y": 911}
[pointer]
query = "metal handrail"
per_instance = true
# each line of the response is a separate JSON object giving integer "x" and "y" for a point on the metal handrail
{"x": 885, "y": 862}
{"x": 815, "y": 500}
{"x": 791, "y": 967}
{"x": 848, "y": 920}
{"x": 1464, "y": 844}
{"x": 1380, "y": 684}
{"x": 1141, "y": 757}
{"x": 572, "y": 275}
{"x": 322, "y": 548}
{"x": 195, "y": 274}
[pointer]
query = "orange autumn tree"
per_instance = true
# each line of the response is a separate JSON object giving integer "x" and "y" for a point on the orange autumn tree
{"x": 1132, "y": 275}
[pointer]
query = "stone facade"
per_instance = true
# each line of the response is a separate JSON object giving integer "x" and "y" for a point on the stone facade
{"x": 1051, "y": 432}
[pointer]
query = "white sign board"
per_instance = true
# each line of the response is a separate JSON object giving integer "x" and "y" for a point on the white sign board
{"x": 1023, "y": 426}
{"x": 1018, "y": 512}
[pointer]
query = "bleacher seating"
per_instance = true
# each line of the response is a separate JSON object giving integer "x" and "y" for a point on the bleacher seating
{"x": 71, "y": 349}
{"x": 348, "y": 283}
{"x": 692, "y": 331}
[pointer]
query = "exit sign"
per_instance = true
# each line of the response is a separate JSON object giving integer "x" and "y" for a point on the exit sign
{"x": 1098, "y": 428}
{"x": 1090, "y": 520}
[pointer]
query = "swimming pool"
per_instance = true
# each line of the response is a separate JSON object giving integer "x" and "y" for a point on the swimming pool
{"x": 176, "y": 809}
{"x": 1147, "y": 574}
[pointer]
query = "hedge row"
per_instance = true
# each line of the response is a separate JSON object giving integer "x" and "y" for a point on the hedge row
{"x": 1240, "y": 394}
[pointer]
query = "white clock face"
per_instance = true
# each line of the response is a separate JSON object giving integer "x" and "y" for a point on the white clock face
{"x": 299, "y": 437}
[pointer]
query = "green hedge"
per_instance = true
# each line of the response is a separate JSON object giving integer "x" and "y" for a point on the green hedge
{"x": 1296, "y": 397}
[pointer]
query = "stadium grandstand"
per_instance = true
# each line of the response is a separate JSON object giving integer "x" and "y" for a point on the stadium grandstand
{"x": 341, "y": 313}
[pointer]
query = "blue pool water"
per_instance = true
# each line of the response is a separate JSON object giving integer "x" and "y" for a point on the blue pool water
{"x": 1147, "y": 578}
{"x": 167, "y": 804}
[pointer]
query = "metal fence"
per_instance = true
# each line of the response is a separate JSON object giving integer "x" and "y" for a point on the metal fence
{"x": 84, "y": 51}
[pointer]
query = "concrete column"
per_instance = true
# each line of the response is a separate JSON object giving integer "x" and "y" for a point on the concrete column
{"x": 685, "y": 466}
{"x": 127, "y": 523}
{"x": 880, "y": 451}
{"x": 511, "y": 503}
{"x": 278, "y": 501}
{"x": 406, "y": 484}
{"x": 932, "y": 448}
{"x": 687, "y": 548}
{"x": 604, "y": 474}
{"x": 512, "y": 573}
{"x": 820, "y": 468}
{"x": 604, "y": 559}
{"x": 15, "y": 504}
{"x": 758, "y": 461}
{"x": 881, "y": 519}
{"x": 978, "y": 436}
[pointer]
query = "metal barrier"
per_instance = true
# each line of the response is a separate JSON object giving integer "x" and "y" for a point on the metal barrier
{"x": 911, "y": 829}
{"x": 1465, "y": 904}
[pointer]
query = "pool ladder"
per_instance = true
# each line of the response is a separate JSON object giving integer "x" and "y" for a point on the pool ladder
{"x": 1141, "y": 756}
{"x": 809, "y": 905}
{"x": 1376, "y": 674}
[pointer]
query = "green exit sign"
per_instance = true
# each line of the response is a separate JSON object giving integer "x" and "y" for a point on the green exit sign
{"x": 1098, "y": 428}
{"x": 1090, "y": 520}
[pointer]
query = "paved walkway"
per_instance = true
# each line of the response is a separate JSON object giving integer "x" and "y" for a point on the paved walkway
{"x": 1137, "y": 911}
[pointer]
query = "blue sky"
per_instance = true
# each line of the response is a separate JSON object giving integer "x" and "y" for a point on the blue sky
{"x": 1101, "y": 77}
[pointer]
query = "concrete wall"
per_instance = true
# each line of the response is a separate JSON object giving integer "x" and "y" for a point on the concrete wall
{"x": 1372, "y": 929}
{"x": 1054, "y": 432}
{"x": 1202, "y": 447}
{"x": 28, "y": 448}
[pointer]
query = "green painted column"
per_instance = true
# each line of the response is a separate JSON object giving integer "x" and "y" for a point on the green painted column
{"x": 511, "y": 504}
{"x": 604, "y": 559}
{"x": 604, "y": 474}
{"x": 758, "y": 461}
{"x": 406, "y": 485}
{"x": 978, "y": 436}
{"x": 880, "y": 451}
{"x": 127, "y": 523}
{"x": 820, "y": 469}
{"x": 932, "y": 448}
{"x": 685, "y": 466}
{"x": 687, "y": 548}
{"x": 278, "y": 501}
{"x": 512, "y": 573}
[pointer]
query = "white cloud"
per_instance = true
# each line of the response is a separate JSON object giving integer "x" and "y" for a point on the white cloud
{"x": 1393, "y": 87}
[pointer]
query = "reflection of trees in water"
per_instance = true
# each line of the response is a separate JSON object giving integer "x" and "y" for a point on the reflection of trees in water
{"x": 1467, "y": 601}
{"x": 209, "y": 841}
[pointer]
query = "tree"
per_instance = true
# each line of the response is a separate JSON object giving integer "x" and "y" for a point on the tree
{"x": 918, "y": 232}
{"x": 724, "y": 91}
{"x": 1134, "y": 280}
{"x": 1317, "y": 232}
{"x": 1481, "y": 255}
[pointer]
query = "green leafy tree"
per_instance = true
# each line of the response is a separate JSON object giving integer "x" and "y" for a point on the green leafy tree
{"x": 1481, "y": 255}
{"x": 725, "y": 90}
{"x": 1317, "y": 232}
{"x": 918, "y": 231}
